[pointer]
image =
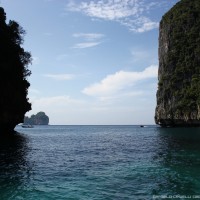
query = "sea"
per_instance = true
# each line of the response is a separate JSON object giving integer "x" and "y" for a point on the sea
{"x": 100, "y": 163}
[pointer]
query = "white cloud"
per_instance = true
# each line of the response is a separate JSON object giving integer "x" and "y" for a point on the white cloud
{"x": 130, "y": 13}
{"x": 122, "y": 96}
{"x": 89, "y": 40}
{"x": 60, "y": 77}
{"x": 86, "y": 45}
{"x": 140, "y": 24}
{"x": 60, "y": 109}
{"x": 89, "y": 36}
{"x": 55, "y": 101}
{"x": 119, "y": 81}
{"x": 67, "y": 110}
{"x": 107, "y": 9}
{"x": 147, "y": 26}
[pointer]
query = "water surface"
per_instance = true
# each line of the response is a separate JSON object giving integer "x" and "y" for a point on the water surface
{"x": 99, "y": 162}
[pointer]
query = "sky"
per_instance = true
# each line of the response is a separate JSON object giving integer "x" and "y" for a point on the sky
{"x": 94, "y": 62}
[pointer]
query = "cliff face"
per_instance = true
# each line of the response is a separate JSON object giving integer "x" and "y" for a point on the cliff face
{"x": 178, "y": 95}
{"x": 39, "y": 119}
{"x": 14, "y": 70}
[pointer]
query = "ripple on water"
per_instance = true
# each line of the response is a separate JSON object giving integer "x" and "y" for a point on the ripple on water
{"x": 99, "y": 162}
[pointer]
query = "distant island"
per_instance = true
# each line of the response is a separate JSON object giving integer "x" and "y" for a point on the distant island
{"x": 178, "y": 95}
{"x": 39, "y": 119}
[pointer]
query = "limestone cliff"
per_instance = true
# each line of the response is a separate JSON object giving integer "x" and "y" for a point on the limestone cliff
{"x": 14, "y": 71}
{"x": 178, "y": 95}
{"x": 39, "y": 119}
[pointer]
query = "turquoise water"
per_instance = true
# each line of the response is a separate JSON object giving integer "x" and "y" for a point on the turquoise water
{"x": 99, "y": 162}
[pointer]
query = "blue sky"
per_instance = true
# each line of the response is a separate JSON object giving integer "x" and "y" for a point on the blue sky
{"x": 94, "y": 62}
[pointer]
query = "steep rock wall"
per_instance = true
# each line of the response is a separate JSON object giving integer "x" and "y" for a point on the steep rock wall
{"x": 178, "y": 95}
{"x": 14, "y": 71}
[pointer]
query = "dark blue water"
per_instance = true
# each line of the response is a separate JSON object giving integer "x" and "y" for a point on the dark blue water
{"x": 99, "y": 162}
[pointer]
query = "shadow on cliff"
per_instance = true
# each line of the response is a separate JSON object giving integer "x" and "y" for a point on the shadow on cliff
{"x": 14, "y": 167}
{"x": 177, "y": 153}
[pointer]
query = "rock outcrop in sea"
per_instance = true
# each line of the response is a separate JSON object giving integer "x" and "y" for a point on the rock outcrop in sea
{"x": 39, "y": 119}
{"x": 178, "y": 95}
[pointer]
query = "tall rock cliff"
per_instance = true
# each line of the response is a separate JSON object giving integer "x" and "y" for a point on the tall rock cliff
{"x": 14, "y": 71}
{"x": 178, "y": 95}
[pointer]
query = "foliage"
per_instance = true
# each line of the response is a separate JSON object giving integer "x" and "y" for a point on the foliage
{"x": 39, "y": 119}
{"x": 14, "y": 61}
{"x": 182, "y": 67}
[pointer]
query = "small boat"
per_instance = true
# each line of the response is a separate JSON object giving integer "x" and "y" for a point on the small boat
{"x": 27, "y": 126}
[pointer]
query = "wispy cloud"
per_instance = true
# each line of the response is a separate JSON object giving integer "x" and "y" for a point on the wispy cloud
{"x": 65, "y": 109}
{"x": 115, "y": 83}
{"x": 140, "y": 24}
{"x": 61, "y": 109}
{"x": 130, "y": 13}
{"x": 106, "y": 9}
{"x": 55, "y": 100}
{"x": 89, "y": 36}
{"x": 59, "y": 77}
{"x": 89, "y": 40}
{"x": 85, "y": 45}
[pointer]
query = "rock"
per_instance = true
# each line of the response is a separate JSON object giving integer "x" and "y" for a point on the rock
{"x": 39, "y": 119}
{"x": 14, "y": 85}
{"x": 178, "y": 95}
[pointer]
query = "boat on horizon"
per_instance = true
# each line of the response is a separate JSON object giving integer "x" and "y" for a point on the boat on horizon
{"x": 27, "y": 126}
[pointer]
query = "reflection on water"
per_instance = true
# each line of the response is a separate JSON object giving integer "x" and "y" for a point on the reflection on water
{"x": 14, "y": 168}
{"x": 178, "y": 156}
{"x": 99, "y": 162}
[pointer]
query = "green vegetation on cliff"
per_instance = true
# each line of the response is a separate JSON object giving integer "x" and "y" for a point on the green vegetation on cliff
{"x": 14, "y": 62}
{"x": 179, "y": 63}
{"x": 39, "y": 119}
